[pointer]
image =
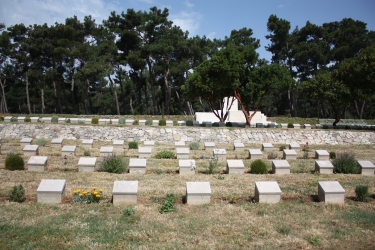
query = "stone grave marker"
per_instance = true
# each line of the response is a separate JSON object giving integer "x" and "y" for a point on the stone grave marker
{"x": 267, "y": 146}
{"x": 57, "y": 142}
{"x": 61, "y": 120}
{"x": 295, "y": 146}
{"x": 179, "y": 144}
{"x": 323, "y": 166}
{"x": 21, "y": 119}
{"x": 321, "y": 155}
{"x": 68, "y": 151}
{"x": 182, "y": 153}
{"x": 220, "y": 153}
{"x": 331, "y": 192}
{"x": 209, "y": 145}
{"x": 186, "y": 166}
{"x": 267, "y": 192}
{"x": 106, "y": 151}
{"x": 198, "y": 193}
{"x": 238, "y": 146}
{"x": 87, "y": 143}
{"x": 51, "y": 191}
{"x": 367, "y": 168}
{"x": 255, "y": 154}
{"x": 30, "y": 150}
{"x": 47, "y": 119}
{"x": 149, "y": 144}
{"x": 137, "y": 166}
{"x": 34, "y": 119}
{"x": 289, "y": 154}
{"x": 235, "y": 167}
{"x": 26, "y": 141}
{"x": 118, "y": 144}
{"x": 86, "y": 164}
{"x": 37, "y": 163}
{"x": 280, "y": 167}
{"x": 124, "y": 192}
{"x": 144, "y": 152}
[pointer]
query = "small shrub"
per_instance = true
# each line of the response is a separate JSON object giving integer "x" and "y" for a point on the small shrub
{"x": 67, "y": 120}
{"x": 332, "y": 155}
{"x": 306, "y": 150}
{"x": 95, "y": 120}
{"x": 14, "y": 162}
{"x": 148, "y": 123}
{"x": 121, "y": 120}
{"x": 345, "y": 163}
{"x": 160, "y": 171}
{"x": 129, "y": 215}
{"x": 27, "y": 119}
{"x": 232, "y": 199}
{"x": 112, "y": 164}
{"x": 162, "y": 122}
{"x": 54, "y": 119}
{"x": 212, "y": 165}
{"x": 258, "y": 167}
{"x": 136, "y": 121}
{"x": 313, "y": 240}
{"x": 41, "y": 142}
{"x": 81, "y": 122}
{"x": 215, "y": 124}
{"x": 283, "y": 230}
{"x": 165, "y": 155}
{"x": 347, "y": 127}
{"x": 194, "y": 145}
{"x": 87, "y": 152}
{"x": 279, "y": 125}
{"x": 87, "y": 197}
{"x": 13, "y": 119}
{"x": 133, "y": 145}
{"x": 271, "y": 156}
{"x": 282, "y": 148}
{"x": 189, "y": 123}
{"x": 17, "y": 194}
{"x": 175, "y": 123}
{"x": 168, "y": 204}
{"x": 362, "y": 193}
{"x": 228, "y": 124}
{"x": 221, "y": 177}
{"x": 290, "y": 125}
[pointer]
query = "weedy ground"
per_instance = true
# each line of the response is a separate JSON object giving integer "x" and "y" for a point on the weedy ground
{"x": 297, "y": 222}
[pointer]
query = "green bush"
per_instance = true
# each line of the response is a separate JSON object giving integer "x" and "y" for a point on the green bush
{"x": 189, "y": 123}
{"x": 345, "y": 163}
{"x": 215, "y": 124}
{"x": 14, "y": 119}
{"x": 41, "y": 142}
{"x": 14, "y": 162}
{"x": 112, "y": 164}
{"x": 362, "y": 193}
{"x": 332, "y": 155}
{"x": 54, "y": 119}
{"x": 67, "y": 120}
{"x": 133, "y": 145}
{"x": 168, "y": 204}
{"x": 282, "y": 148}
{"x": 165, "y": 155}
{"x": 228, "y": 124}
{"x": 290, "y": 125}
{"x": 121, "y": 120}
{"x": 175, "y": 123}
{"x": 17, "y": 194}
{"x": 162, "y": 122}
{"x": 194, "y": 145}
{"x": 27, "y": 119}
{"x": 213, "y": 165}
{"x": 148, "y": 123}
{"x": 87, "y": 152}
{"x": 95, "y": 120}
{"x": 279, "y": 125}
{"x": 258, "y": 167}
{"x": 271, "y": 156}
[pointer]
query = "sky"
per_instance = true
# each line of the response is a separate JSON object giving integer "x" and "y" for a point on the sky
{"x": 210, "y": 18}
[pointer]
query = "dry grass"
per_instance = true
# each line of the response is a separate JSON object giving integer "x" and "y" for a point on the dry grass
{"x": 297, "y": 222}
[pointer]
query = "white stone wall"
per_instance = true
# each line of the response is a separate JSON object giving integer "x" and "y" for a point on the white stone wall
{"x": 173, "y": 134}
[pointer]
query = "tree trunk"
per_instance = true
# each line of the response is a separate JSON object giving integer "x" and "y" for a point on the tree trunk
{"x": 115, "y": 94}
{"x": 167, "y": 92}
{"x": 359, "y": 113}
{"x": 27, "y": 95}
{"x": 119, "y": 70}
{"x": 42, "y": 99}
{"x": 131, "y": 105}
{"x": 151, "y": 73}
{"x": 73, "y": 99}
{"x": 4, "y": 106}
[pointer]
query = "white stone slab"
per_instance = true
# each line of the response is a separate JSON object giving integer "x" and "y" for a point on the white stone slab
{"x": 331, "y": 192}
{"x": 198, "y": 193}
{"x": 115, "y": 121}
{"x": 129, "y": 122}
{"x": 7, "y": 118}
{"x": 321, "y": 155}
{"x": 74, "y": 120}
{"x": 102, "y": 121}
{"x": 284, "y": 125}
{"x": 155, "y": 122}
{"x": 255, "y": 154}
{"x": 181, "y": 123}
{"x": 169, "y": 123}
{"x": 149, "y": 144}
{"x": 37, "y": 163}
{"x": 34, "y": 119}
{"x": 87, "y": 143}
{"x": 144, "y": 152}
{"x": 125, "y": 192}
{"x": 295, "y": 146}
{"x": 220, "y": 153}
{"x": 142, "y": 122}
{"x": 289, "y": 154}
{"x": 86, "y": 164}
{"x": 179, "y": 144}
{"x": 267, "y": 146}
{"x": 118, "y": 144}
{"x": 187, "y": 166}
{"x": 88, "y": 121}
{"x": 137, "y": 166}
{"x": 323, "y": 166}
{"x": 183, "y": 153}
{"x": 30, "y": 150}
{"x": 280, "y": 167}
{"x": 47, "y": 119}
{"x": 267, "y": 192}
{"x": 208, "y": 145}
{"x": 51, "y": 191}
{"x": 61, "y": 120}
{"x": 297, "y": 126}
{"x": 307, "y": 126}
{"x": 21, "y": 119}
{"x": 367, "y": 168}
{"x": 68, "y": 151}
{"x": 57, "y": 142}
{"x": 26, "y": 141}
{"x": 106, "y": 151}
{"x": 238, "y": 146}
{"x": 235, "y": 167}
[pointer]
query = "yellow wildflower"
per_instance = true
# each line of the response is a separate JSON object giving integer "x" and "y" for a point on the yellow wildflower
{"x": 94, "y": 188}
{"x": 95, "y": 193}
{"x": 97, "y": 196}
{"x": 101, "y": 190}
{"x": 84, "y": 192}
{"x": 80, "y": 195}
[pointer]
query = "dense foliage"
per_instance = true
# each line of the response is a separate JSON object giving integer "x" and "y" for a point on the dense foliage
{"x": 14, "y": 162}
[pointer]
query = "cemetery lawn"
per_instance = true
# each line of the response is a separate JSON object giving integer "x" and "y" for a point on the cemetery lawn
{"x": 297, "y": 222}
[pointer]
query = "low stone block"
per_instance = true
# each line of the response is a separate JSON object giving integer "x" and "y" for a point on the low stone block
{"x": 68, "y": 151}
{"x": 142, "y": 122}
{"x": 47, "y": 119}
{"x": 7, "y": 118}
{"x": 207, "y": 124}
{"x": 259, "y": 125}
{"x": 86, "y": 164}
{"x": 284, "y": 125}
{"x": 87, "y": 143}
{"x": 289, "y": 154}
{"x": 61, "y": 120}
{"x": 272, "y": 125}
{"x": 267, "y": 146}
{"x": 221, "y": 124}
{"x": 155, "y": 122}
{"x": 195, "y": 124}
{"x": 124, "y": 192}
{"x": 137, "y": 166}
{"x": 149, "y": 144}
{"x": 267, "y": 192}
{"x": 57, "y": 142}
{"x": 367, "y": 168}
{"x": 179, "y": 144}
{"x": 198, "y": 193}
{"x": 209, "y": 145}
{"x": 331, "y": 192}
{"x": 321, "y": 155}
{"x": 297, "y": 126}
{"x": 220, "y": 153}
{"x": 307, "y": 126}
{"x": 181, "y": 123}
{"x": 295, "y": 146}
{"x": 102, "y": 121}
{"x": 118, "y": 144}
{"x": 129, "y": 122}
{"x": 255, "y": 154}
{"x": 88, "y": 121}
{"x": 30, "y": 150}
{"x": 168, "y": 123}
{"x": 33, "y": 119}
{"x": 144, "y": 152}
{"x": 235, "y": 167}
{"x": 74, "y": 120}
{"x": 26, "y": 141}
{"x": 37, "y": 163}
{"x": 21, "y": 119}
{"x": 186, "y": 166}
{"x": 323, "y": 166}
{"x": 115, "y": 121}
{"x": 182, "y": 153}
{"x": 106, "y": 151}
{"x": 51, "y": 191}
{"x": 280, "y": 167}
{"x": 238, "y": 146}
